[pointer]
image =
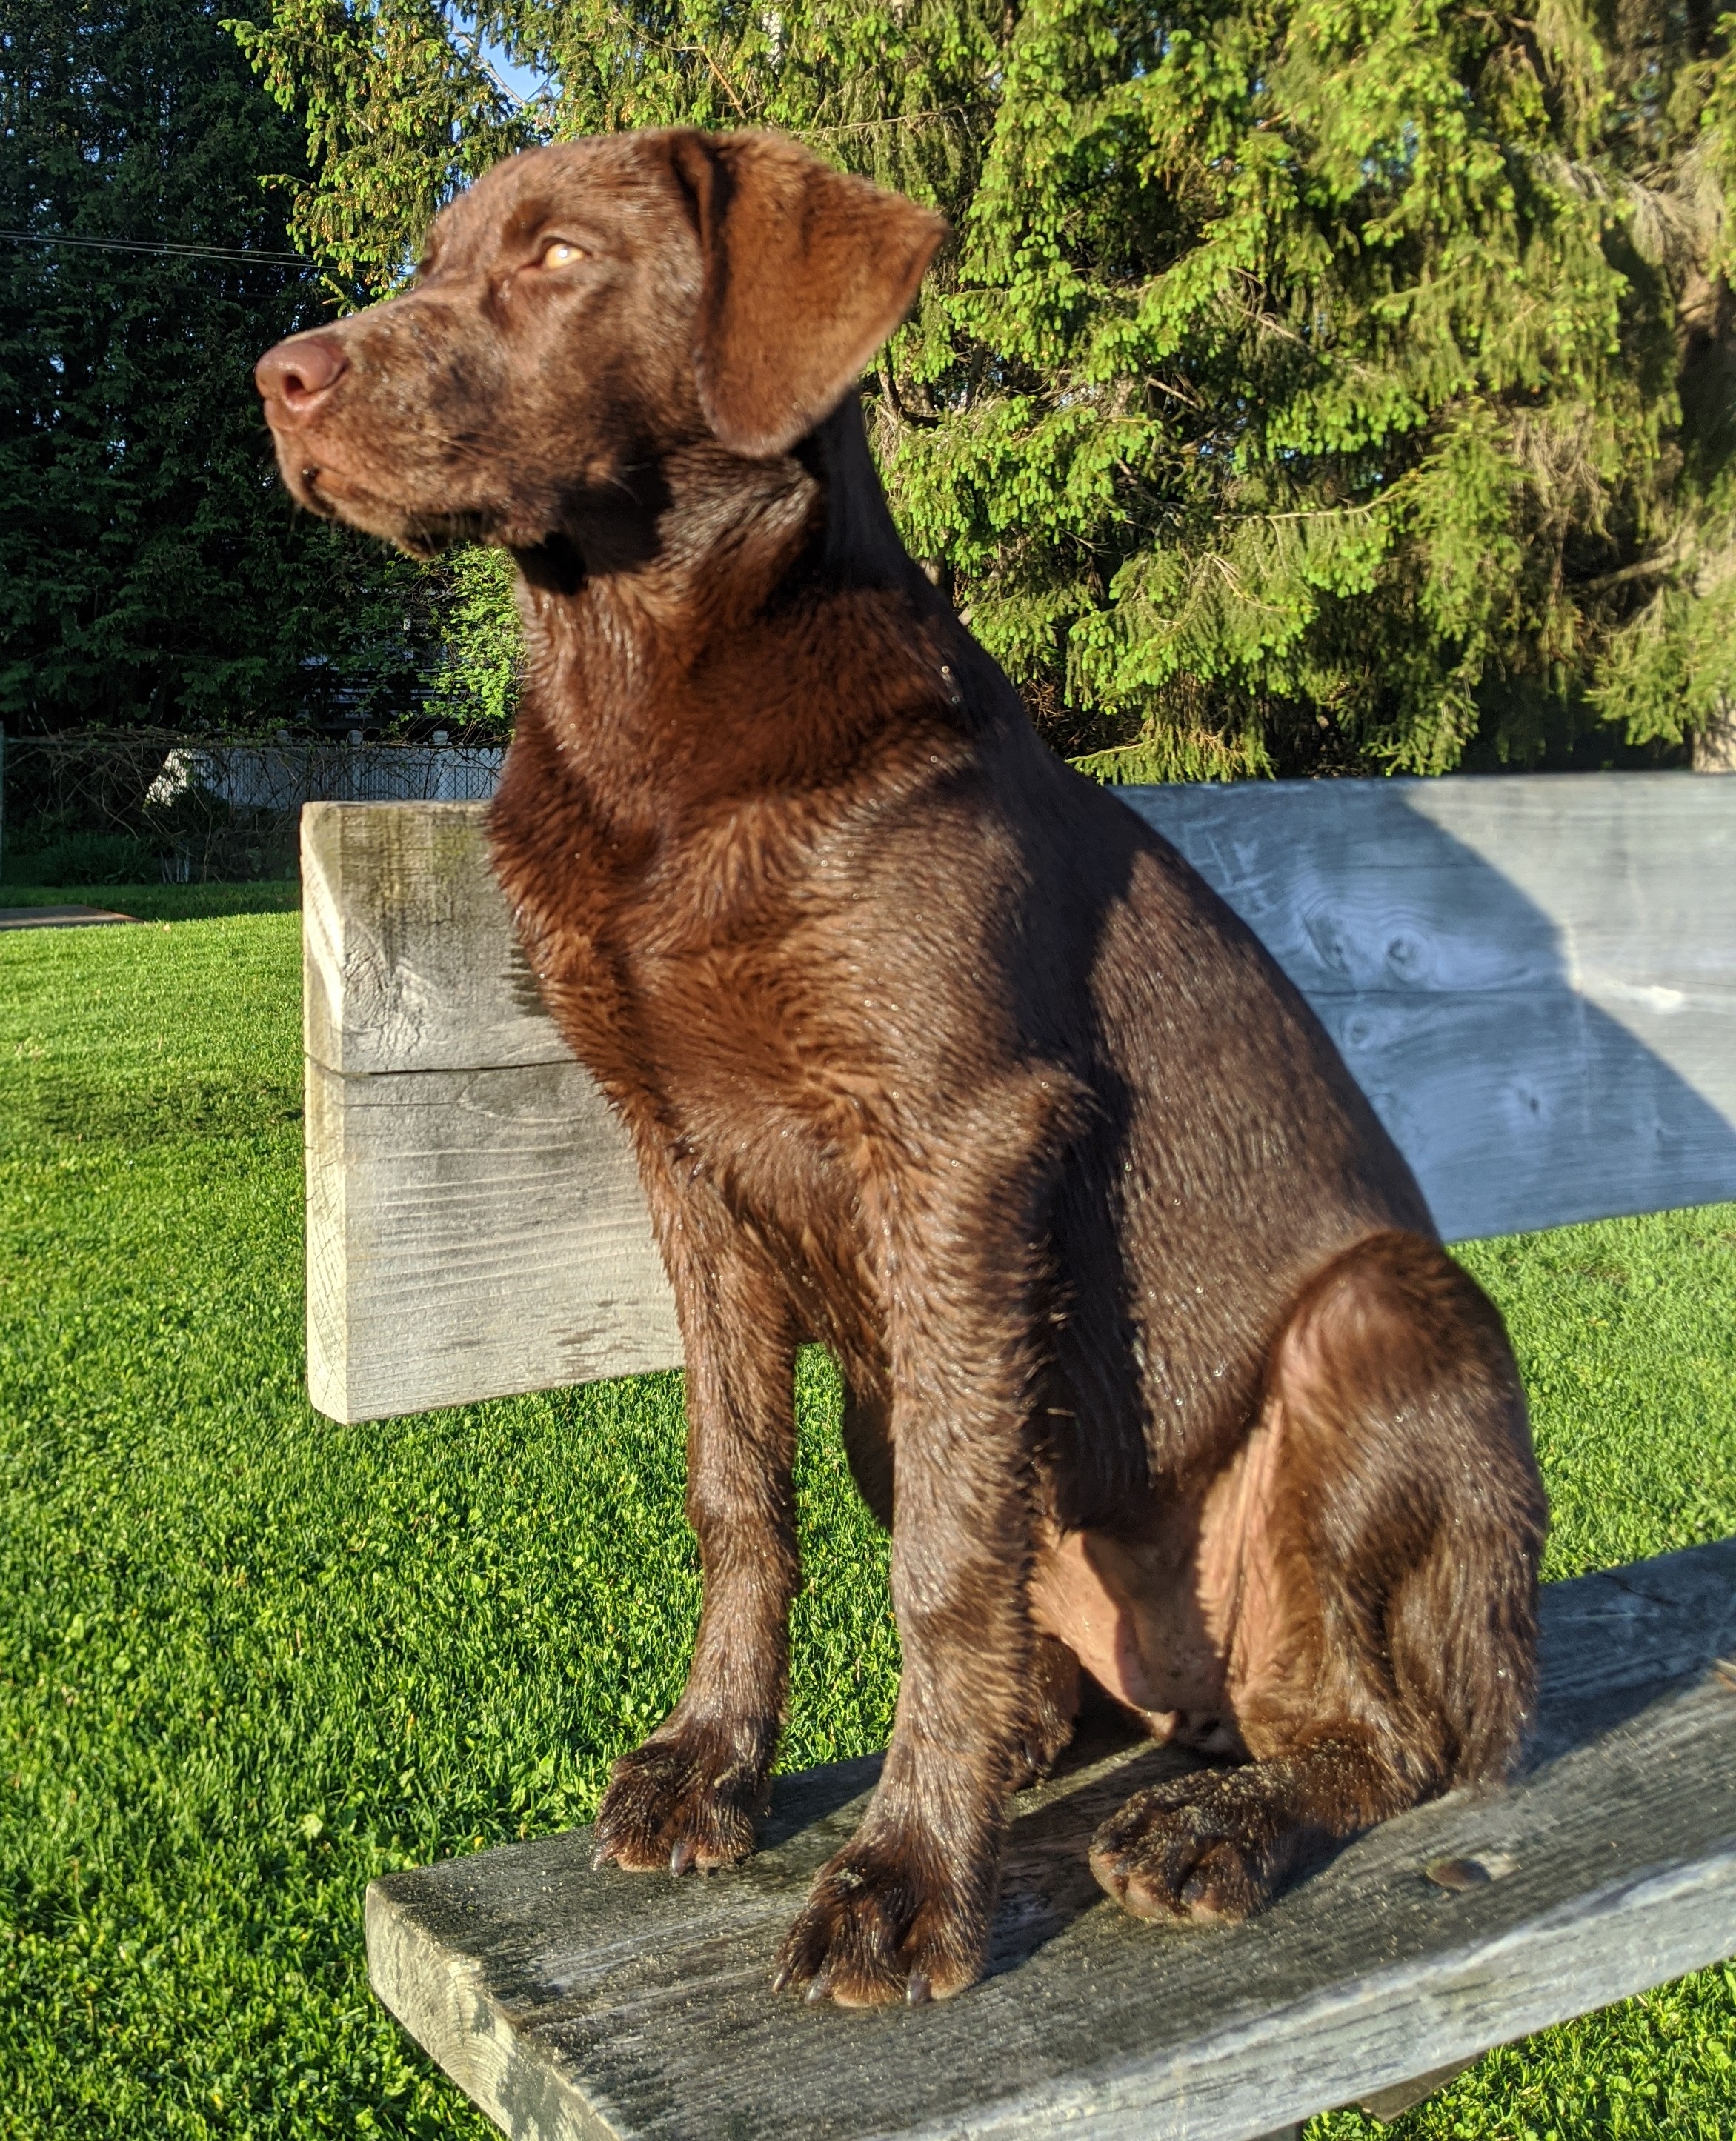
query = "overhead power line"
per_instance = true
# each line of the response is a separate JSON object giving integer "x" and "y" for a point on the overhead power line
{"x": 174, "y": 252}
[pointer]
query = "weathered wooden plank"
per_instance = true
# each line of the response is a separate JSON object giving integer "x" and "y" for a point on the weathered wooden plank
{"x": 570, "y": 2003}
{"x": 464, "y": 1216}
{"x": 475, "y": 1226}
{"x": 1535, "y": 979}
{"x": 409, "y": 959}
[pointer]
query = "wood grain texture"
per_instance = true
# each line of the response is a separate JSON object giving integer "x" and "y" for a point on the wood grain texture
{"x": 409, "y": 959}
{"x": 1534, "y": 980}
{"x": 475, "y": 1224}
{"x": 472, "y": 1234}
{"x": 570, "y": 2003}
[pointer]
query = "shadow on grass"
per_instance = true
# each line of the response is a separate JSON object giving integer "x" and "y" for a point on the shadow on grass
{"x": 163, "y": 903}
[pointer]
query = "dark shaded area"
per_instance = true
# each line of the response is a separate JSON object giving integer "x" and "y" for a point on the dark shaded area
{"x": 151, "y": 567}
{"x": 1455, "y": 998}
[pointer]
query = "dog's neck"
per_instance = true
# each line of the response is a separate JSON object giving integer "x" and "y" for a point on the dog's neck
{"x": 660, "y": 584}
{"x": 862, "y": 547}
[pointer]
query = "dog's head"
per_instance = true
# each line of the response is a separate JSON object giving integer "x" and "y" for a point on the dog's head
{"x": 583, "y": 312}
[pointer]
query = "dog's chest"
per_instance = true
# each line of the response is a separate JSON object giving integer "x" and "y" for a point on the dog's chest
{"x": 718, "y": 1052}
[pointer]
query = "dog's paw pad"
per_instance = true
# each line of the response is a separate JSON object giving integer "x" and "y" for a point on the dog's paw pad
{"x": 1186, "y": 1852}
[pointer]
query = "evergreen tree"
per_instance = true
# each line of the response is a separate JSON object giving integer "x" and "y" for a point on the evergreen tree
{"x": 1307, "y": 385}
{"x": 151, "y": 567}
{"x": 1666, "y": 606}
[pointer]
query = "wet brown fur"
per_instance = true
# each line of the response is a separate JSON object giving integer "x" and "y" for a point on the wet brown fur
{"x": 930, "y": 1050}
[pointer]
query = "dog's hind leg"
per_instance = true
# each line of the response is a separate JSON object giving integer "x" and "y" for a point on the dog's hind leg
{"x": 690, "y": 1795}
{"x": 1377, "y": 1597}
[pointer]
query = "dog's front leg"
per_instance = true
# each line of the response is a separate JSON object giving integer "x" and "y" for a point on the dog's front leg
{"x": 903, "y": 1912}
{"x": 689, "y": 1795}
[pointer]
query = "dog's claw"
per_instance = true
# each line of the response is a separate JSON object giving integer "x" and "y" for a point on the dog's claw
{"x": 919, "y": 1992}
{"x": 780, "y": 1977}
{"x": 683, "y": 1856}
{"x": 820, "y": 1989}
{"x": 1111, "y": 1869}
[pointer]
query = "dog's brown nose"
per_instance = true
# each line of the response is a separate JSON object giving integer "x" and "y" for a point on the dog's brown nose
{"x": 297, "y": 371}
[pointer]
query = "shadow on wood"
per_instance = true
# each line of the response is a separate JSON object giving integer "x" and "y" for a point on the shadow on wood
{"x": 1533, "y": 978}
{"x": 568, "y": 2002}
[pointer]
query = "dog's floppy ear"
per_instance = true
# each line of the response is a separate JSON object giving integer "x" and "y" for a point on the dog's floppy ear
{"x": 807, "y": 272}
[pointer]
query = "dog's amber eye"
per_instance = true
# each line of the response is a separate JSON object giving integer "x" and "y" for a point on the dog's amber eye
{"x": 559, "y": 252}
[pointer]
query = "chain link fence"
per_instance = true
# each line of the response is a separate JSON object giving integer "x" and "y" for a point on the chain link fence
{"x": 136, "y": 805}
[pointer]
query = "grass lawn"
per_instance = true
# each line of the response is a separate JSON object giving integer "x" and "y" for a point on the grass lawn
{"x": 248, "y": 1659}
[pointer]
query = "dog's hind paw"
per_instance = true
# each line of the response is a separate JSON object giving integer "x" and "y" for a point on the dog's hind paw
{"x": 1053, "y": 1712}
{"x": 679, "y": 1802}
{"x": 876, "y": 1930}
{"x": 1209, "y": 1849}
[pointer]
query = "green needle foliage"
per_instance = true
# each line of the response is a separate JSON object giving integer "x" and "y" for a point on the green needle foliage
{"x": 152, "y": 569}
{"x": 1307, "y": 385}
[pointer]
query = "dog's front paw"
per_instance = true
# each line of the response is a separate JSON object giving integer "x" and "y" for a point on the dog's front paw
{"x": 1210, "y": 1848}
{"x": 877, "y": 1929}
{"x": 682, "y": 1800}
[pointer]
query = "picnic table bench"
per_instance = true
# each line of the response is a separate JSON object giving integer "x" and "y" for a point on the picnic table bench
{"x": 1534, "y": 979}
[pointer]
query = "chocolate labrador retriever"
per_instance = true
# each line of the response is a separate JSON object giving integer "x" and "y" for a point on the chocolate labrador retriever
{"x": 930, "y": 1050}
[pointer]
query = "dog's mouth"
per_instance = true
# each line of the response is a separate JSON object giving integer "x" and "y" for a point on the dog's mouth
{"x": 405, "y": 496}
{"x": 333, "y": 490}
{"x": 303, "y": 484}
{"x": 313, "y": 478}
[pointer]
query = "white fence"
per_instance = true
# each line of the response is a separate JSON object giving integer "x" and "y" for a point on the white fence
{"x": 282, "y": 777}
{"x": 120, "y": 806}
